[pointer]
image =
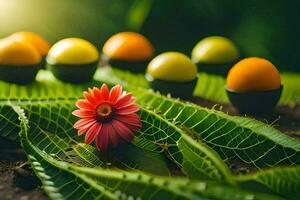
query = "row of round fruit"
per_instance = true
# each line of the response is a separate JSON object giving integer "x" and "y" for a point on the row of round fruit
{"x": 252, "y": 84}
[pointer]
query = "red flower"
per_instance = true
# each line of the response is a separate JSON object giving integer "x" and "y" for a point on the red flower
{"x": 108, "y": 117}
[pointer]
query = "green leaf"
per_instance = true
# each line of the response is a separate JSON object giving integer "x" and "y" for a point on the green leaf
{"x": 211, "y": 87}
{"x": 117, "y": 76}
{"x": 135, "y": 156}
{"x": 63, "y": 180}
{"x": 235, "y": 138}
{"x": 195, "y": 159}
{"x": 52, "y": 131}
{"x": 47, "y": 87}
{"x": 9, "y": 122}
{"x": 284, "y": 181}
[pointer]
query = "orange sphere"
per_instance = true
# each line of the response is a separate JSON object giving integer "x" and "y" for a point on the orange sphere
{"x": 15, "y": 52}
{"x": 128, "y": 46}
{"x": 36, "y": 40}
{"x": 252, "y": 75}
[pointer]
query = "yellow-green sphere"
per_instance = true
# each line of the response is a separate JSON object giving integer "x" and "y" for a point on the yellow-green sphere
{"x": 172, "y": 66}
{"x": 73, "y": 60}
{"x": 73, "y": 51}
{"x": 215, "y": 50}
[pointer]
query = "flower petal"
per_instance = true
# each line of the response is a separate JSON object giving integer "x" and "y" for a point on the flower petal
{"x": 89, "y": 97}
{"x": 84, "y": 104}
{"x": 131, "y": 119}
{"x": 125, "y": 100}
{"x": 81, "y": 131}
{"x": 133, "y": 128}
{"x": 82, "y": 122}
{"x": 115, "y": 93}
{"x": 84, "y": 113}
{"x": 92, "y": 133}
{"x": 104, "y": 92}
{"x": 123, "y": 131}
{"x": 112, "y": 135}
{"x": 102, "y": 139}
{"x": 96, "y": 92}
{"x": 128, "y": 110}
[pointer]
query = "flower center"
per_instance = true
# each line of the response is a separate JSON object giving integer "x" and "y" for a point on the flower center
{"x": 104, "y": 112}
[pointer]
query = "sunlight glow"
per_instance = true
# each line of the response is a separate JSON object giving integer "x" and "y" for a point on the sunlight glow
{"x": 6, "y": 7}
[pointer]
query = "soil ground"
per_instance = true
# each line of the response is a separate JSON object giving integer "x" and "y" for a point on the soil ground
{"x": 17, "y": 182}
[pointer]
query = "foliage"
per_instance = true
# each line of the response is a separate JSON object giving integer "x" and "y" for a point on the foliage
{"x": 181, "y": 152}
{"x": 252, "y": 142}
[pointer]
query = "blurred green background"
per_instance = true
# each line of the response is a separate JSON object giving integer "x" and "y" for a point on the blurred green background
{"x": 263, "y": 28}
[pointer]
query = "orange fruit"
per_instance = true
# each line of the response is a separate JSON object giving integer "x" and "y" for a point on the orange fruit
{"x": 253, "y": 74}
{"x": 16, "y": 52}
{"x": 36, "y": 40}
{"x": 128, "y": 46}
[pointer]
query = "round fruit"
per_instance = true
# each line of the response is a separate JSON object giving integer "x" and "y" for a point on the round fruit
{"x": 253, "y": 86}
{"x": 215, "y": 50}
{"x": 128, "y": 46}
{"x": 73, "y": 51}
{"x": 128, "y": 51}
{"x": 36, "y": 40}
{"x": 253, "y": 74}
{"x": 173, "y": 73}
{"x": 14, "y": 52}
{"x": 172, "y": 66}
{"x": 73, "y": 60}
{"x": 19, "y": 61}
